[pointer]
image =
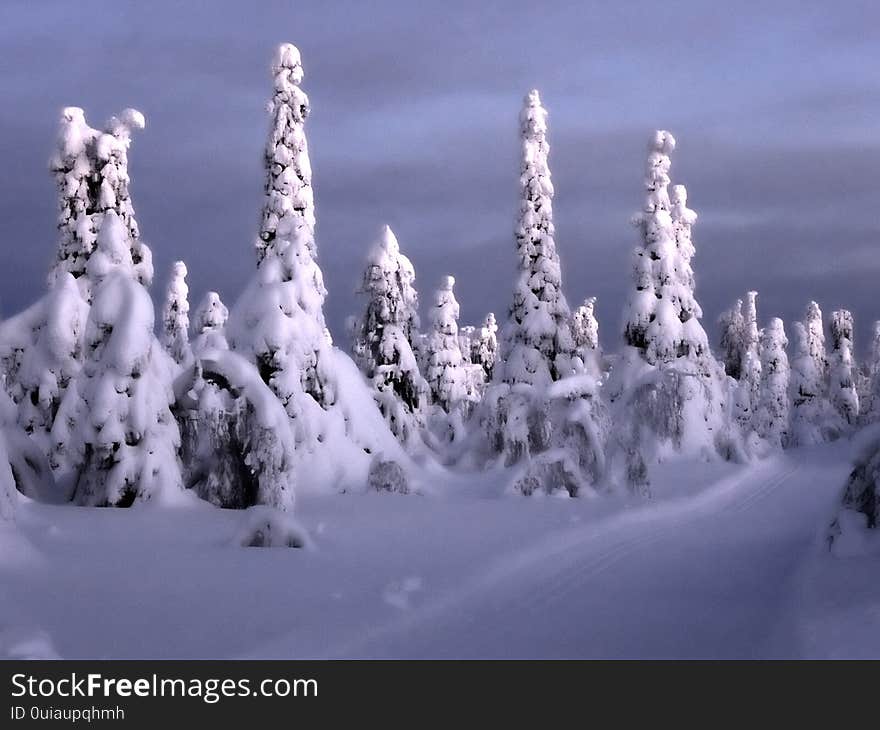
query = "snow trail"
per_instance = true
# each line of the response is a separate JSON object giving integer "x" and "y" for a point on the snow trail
{"x": 704, "y": 576}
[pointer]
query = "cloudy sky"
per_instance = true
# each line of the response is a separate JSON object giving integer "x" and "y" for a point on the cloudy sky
{"x": 775, "y": 105}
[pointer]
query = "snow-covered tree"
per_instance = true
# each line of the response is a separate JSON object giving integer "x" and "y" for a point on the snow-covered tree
{"x": 236, "y": 441}
{"x": 683, "y": 219}
{"x": 663, "y": 316}
{"x": 813, "y": 322}
{"x": 873, "y": 368}
{"x": 41, "y": 351}
{"x": 279, "y": 320}
{"x": 445, "y": 373}
{"x": 585, "y": 331}
{"x": 8, "y": 496}
{"x": 813, "y": 418}
{"x": 210, "y": 319}
{"x": 542, "y": 409}
{"x": 860, "y": 505}
{"x": 585, "y": 328}
{"x": 747, "y": 396}
{"x": 841, "y": 367}
{"x": 91, "y": 173}
{"x": 485, "y": 346}
{"x": 175, "y": 316}
{"x": 538, "y": 347}
{"x": 732, "y": 325}
{"x": 114, "y": 429}
{"x": 237, "y": 444}
{"x": 751, "y": 333}
{"x": 383, "y": 336}
{"x": 773, "y": 408}
{"x": 667, "y": 387}
{"x": 870, "y": 403}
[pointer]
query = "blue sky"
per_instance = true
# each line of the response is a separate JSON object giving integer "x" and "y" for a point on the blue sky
{"x": 775, "y": 105}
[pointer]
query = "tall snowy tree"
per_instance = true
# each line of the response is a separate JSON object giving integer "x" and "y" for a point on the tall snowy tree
{"x": 114, "y": 429}
{"x": 664, "y": 325}
{"x": 732, "y": 325}
{"x": 542, "y": 409}
{"x": 538, "y": 347}
{"x": 91, "y": 173}
{"x": 751, "y": 333}
{"x": 841, "y": 367}
{"x": 279, "y": 320}
{"x": 384, "y": 336}
{"x": 175, "y": 316}
{"x": 445, "y": 372}
{"x": 667, "y": 388}
{"x": 813, "y": 322}
{"x": 813, "y": 418}
{"x": 747, "y": 396}
{"x": 870, "y": 405}
{"x": 773, "y": 409}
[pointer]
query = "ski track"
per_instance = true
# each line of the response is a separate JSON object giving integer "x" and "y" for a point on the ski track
{"x": 538, "y": 581}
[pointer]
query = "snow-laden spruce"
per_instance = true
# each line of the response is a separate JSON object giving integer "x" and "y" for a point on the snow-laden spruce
{"x": 237, "y": 445}
{"x": 209, "y": 323}
{"x": 814, "y": 419}
{"x": 870, "y": 408}
{"x": 859, "y": 507}
{"x": 814, "y": 324}
{"x": 41, "y": 351}
{"x": 383, "y": 337}
{"x": 277, "y": 324}
{"x": 115, "y": 438}
{"x": 484, "y": 349}
{"x": 841, "y": 367}
{"x": 668, "y": 391}
{"x": 542, "y": 411}
{"x": 175, "y": 316}
{"x": 279, "y": 320}
{"x": 732, "y": 326}
{"x": 445, "y": 373}
{"x": 662, "y": 316}
{"x": 747, "y": 397}
{"x": 773, "y": 405}
{"x": 538, "y": 347}
{"x": 91, "y": 174}
{"x": 585, "y": 331}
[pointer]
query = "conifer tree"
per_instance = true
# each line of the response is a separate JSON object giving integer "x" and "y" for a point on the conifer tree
{"x": 175, "y": 316}
{"x": 384, "y": 335}
{"x": 279, "y": 320}
{"x": 732, "y": 325}
{"x": 538, "y": 346}
{"x": 842, "y": 387}
{"x": 114, "y": 431}
{"x": 773, "y": 410}
{"x": 445, "y": 372}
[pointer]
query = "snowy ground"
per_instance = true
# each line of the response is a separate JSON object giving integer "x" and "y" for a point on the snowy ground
{"x": 725, "y": 561}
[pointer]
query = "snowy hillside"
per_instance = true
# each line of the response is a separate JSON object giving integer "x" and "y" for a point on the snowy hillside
{"x": 429, "y": 487}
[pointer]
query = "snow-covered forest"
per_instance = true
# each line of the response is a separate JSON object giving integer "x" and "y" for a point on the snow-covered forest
{"x": 224, "y": 415}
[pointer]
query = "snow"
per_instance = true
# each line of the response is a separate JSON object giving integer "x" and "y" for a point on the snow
{"x": 457, "y": 493}
{"x": 726, "y": 561}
